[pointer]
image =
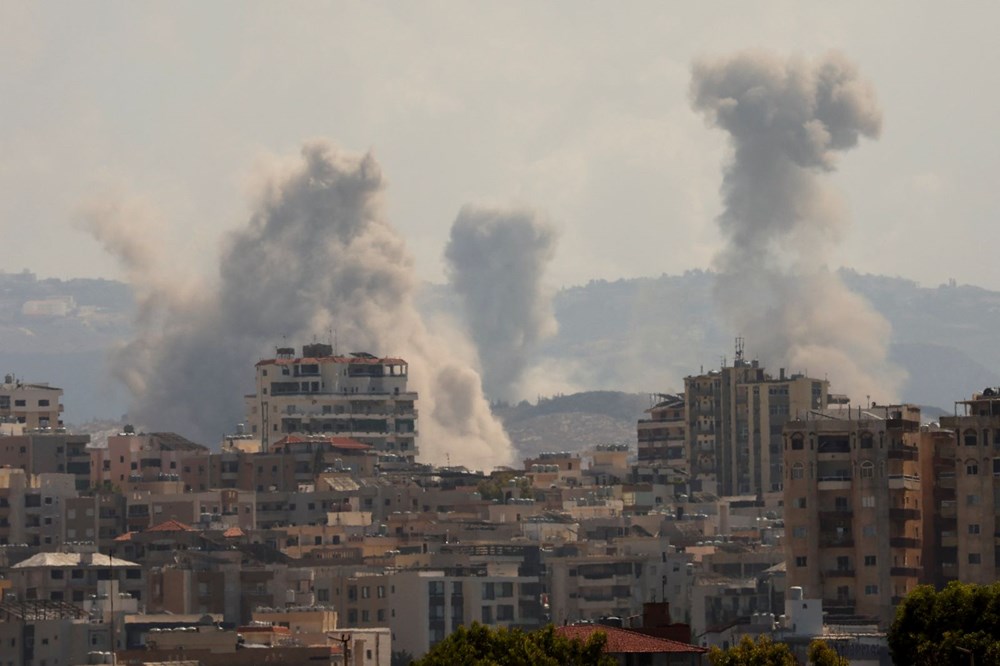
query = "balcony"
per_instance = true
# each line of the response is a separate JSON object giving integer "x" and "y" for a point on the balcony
{"x": 909, "y": 572}
{"x": 842, "y": 513}
{"x": 833, "y": 483}
{"x": 903, "y": 453}
{"x": 904, "y": 482}
{"x": 904, "y": 514}
{"x": 907, "y": 542}
{"x": 835, "y": 541}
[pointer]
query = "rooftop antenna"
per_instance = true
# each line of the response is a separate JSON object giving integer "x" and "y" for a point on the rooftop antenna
{"x": 739, "y": 351}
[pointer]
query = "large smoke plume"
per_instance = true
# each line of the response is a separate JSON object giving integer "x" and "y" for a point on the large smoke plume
{"x": 316, "y": 256}
{"x": 496, "y": 261}
{"x": 787, "y": 119}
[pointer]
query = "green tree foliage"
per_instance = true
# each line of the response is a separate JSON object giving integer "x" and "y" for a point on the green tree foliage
{"x": 480, "y": 645}
{"x": 748, "y": 652}
{"x": 499, "y": 483}
{"x": 821, "y": 654}
{"x": 951, "y": 626}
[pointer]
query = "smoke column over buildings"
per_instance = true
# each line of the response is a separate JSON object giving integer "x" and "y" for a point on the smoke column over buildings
{"x": 496, "y": 259}
{"x": 317, "y": 255}
{"x": 787, "y": 119}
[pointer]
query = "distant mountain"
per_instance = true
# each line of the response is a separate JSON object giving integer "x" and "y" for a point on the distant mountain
{"x": 573, "y": 422}
{"x": 638, "y": 336}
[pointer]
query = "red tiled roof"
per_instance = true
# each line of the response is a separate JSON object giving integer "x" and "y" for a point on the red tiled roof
{"x": 623, "y": 641}
{"x": 233, "y": 532}
{"x": 171, "y": 526}
{"x": 124, "y": 537}
{"x": 342, "y": 443}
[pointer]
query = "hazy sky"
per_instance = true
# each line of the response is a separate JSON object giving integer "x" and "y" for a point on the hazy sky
{"x": 580, "y": 110}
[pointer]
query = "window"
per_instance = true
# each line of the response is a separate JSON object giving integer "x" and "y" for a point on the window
{"x": 20, "y": 403}
{"x": 868, "y": 530}
{"x": 867, "y": 470}
{"x": 322, "y": 594}
{"x": 380, "y": 615}
{"x": 974, "y": 558}
{"x": 972, "y": 500}
{"x": 798, "y": 471}
{"x": 800, "y": 502}
{"x": 487, "y": 613}
{"x": 871, "y": 590}
{"x": 489, "y": 591}
{"x": 43, "y": 403}
{"x": 505, "y": 613}
{"x": 974, "y": 528}
{"x": 797, "y": 442}
{"x": 868, "y": 501}
{"x": 380, "y": 591}
{"x": 366, "y": 592}
{"x": 971, "y": 468}
{"x": 801, "y": 560}
{"x": 866, "y": 440}
{"x": 969, "y": 437}
{"x": 871, "y": 560}
{"x": 365, "y": 616}
{"x": 799, "y": 531}
{"x": 843, "y": 563}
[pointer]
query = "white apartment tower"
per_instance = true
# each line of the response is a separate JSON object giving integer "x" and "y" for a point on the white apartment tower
{"x": 360, "y": 396}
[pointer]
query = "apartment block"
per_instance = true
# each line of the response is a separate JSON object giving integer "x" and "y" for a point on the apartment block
{"x": 53, "y": 453}
{"x": 852, "y": 511}
{"x": 734, "y": 418}
{"x": 663, "y": 436}
{"x": 970, "y": 519}
{"x": 36, "y": 406}
{"x": 359, "y": 396}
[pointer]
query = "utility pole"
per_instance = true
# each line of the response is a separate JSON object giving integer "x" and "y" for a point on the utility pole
{"x": 345, "y": 640}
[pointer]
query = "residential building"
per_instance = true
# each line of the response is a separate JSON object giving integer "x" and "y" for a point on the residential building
{"x": 359, "y": 396}
{"x": 734, "y": 418}
{"x": 35, "y": 406}
{"x": 663, "y": 436}
{"x": 970, "y": 542}
{"x": 853, "y": 507}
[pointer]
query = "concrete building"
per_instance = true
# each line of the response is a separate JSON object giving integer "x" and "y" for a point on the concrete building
{"x": 734, "y": 418}
{"x": 53, "y": 453}
{"x": 131, "y": 458}
{"x": 360, "y": 396}
{"x": 36, "y": 406}
{"x": 427, "y": 605}
{"x": 970, "y": 521}
{"x": 853, "y": 508}
{"x": 663, "y": 436}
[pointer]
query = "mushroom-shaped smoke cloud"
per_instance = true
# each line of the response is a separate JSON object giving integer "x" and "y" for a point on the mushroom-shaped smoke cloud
{"x": 787, "y": 119}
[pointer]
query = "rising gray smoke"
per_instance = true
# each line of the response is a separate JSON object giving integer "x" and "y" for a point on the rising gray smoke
{"x": 786, "y": 120}
{"x": 496, "y": 259}
{"x": 317, "y": 255}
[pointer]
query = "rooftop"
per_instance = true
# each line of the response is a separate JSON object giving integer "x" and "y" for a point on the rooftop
{"x": 624, "y": 641}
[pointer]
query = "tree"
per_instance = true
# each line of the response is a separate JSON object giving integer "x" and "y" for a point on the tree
{"x": 956, "y": 625}
{"x": 821, "y": 654}
{"x": 762, "y": 652}
{"x": 480, "y": 645}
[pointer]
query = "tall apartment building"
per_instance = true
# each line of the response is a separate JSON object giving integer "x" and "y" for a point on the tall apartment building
{"x": 662, "y": 436}
{"x": 971, "y": 520}
{"x": 359, "y": 396}
{"x": 853, "y": 507}
{"x": 33, "y": 405}
{"x": 734, "y": 418}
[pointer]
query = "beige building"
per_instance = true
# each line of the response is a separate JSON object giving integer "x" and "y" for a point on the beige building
{"x": 36, "y": 406}
{"x": 969, "y": 519}
{"x": 663, "y": 436}
{"x": 853, "y": 508}
{"x": 734, "y": 418}
{"x": 359, "y": 396}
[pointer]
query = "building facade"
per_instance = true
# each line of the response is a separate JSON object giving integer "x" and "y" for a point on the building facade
{"x": 359, "y": 396}
{"x": 852, "y": 508}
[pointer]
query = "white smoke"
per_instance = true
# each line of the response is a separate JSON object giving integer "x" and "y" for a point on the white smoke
{"x": 316, "y": 255}
{"x": 786, "y": 120}
{"x": 496, "y": 261}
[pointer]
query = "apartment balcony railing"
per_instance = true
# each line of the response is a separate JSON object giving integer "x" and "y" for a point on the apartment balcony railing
{"x": 906, "y": 542}
{"x": 904, "y": 514}
{"x": 909, "y": 572}
{"x": 839, "y": 573}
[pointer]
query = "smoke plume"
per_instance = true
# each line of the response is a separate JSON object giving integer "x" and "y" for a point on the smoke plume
{"x": 317, "y": 255}
{"x": 496, "y": 260}
{"x": 787, "y": 119}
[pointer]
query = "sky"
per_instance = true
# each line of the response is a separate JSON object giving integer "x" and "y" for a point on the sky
{"x": 578, "y": 110}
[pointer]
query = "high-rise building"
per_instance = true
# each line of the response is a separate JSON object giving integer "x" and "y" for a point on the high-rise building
{"x": 969, "y": 519}
{"x": 360, "y": 396}
{"x": 734, "y": 418}
{"x": 852, "y": 495}
{"x": 663, "y": 435}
